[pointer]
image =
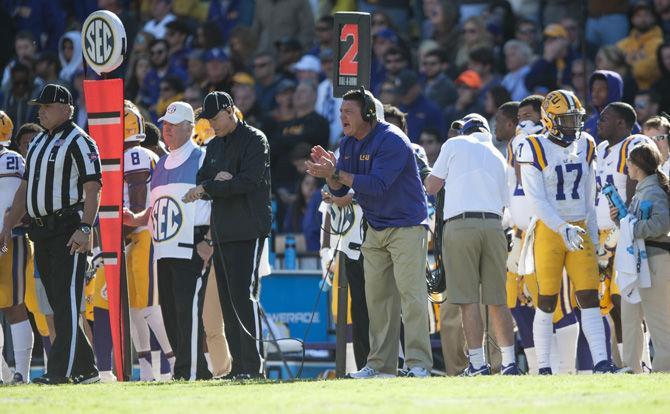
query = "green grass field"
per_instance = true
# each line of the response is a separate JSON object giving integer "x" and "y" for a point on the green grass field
{"x": 610, "y": 394}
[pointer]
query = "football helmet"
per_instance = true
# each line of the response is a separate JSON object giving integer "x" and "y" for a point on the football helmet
{"x": 6, "y": 129}
{"x": 202, "y": 132}
{"x": 133, "y": 130}
{"x": 563, "y": 115}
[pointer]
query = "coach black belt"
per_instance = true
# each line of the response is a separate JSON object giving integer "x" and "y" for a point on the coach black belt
{"x": 474, "y": 214}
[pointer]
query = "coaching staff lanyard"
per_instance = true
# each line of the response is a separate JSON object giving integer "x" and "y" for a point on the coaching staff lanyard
{"x": 61, "y": 187}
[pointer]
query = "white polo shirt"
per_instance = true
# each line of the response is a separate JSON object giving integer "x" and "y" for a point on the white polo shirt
{"x": 474, "y": 174}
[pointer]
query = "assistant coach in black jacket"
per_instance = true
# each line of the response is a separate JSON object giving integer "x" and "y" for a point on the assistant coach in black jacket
{"x": 236, "y": 176}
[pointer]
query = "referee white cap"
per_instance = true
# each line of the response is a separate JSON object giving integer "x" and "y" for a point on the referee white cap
{"x": 178, "y": 112}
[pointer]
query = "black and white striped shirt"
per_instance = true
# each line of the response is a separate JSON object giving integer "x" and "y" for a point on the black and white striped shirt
{"x": 57, "y": 166}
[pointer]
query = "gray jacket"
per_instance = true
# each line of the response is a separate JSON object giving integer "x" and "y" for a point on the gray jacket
{"x": 657, "y": 227}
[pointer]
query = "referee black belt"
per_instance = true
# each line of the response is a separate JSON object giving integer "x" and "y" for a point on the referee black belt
{"x": 54, "y": 220}
{"x": 474, "y": 214}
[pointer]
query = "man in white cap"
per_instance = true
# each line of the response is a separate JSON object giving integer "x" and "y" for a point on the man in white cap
{"x": 182, "y": 245}
{"x": 308, "y": 68}
{"x": 474, "y": 245}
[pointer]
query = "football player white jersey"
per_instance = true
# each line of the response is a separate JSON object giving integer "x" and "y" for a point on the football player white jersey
{"x": 138, "y": 159}
{"x": 12, "y": 166}
{"x": 567, "y": 190}
{"x": 611, "y": 169}
{"x": 519, "y": 208}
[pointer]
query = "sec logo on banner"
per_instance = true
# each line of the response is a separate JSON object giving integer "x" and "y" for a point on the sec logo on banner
{"x": 167, "y": 218}
{"x": 104, "y": 41}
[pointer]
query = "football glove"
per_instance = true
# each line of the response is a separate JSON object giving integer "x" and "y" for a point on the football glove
{"x": 572, "y": 236}
{"x": 514, "y": 255}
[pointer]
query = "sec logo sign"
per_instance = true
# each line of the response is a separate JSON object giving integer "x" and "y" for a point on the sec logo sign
{"x": 167, "y": 218}
{"x": 99, "y": 41}
{"x": 104, "y": 41}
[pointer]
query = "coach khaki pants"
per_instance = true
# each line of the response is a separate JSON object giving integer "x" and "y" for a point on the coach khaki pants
{"x": 655, "y": 309}
{"x": 212, "y": 319}
{"x": 395, "y": 281}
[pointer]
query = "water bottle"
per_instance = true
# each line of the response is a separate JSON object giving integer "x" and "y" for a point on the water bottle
{"x": 289, "y": 253}
{"x": 645, "y": 209}
{"x": 615, "y": 199}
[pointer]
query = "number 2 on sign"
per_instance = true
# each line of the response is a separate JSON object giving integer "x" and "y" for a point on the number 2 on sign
{"x": 560, "y": 193}
{"x": 348, "y": 63}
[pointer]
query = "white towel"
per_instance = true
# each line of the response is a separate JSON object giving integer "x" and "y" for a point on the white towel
{"x": 527, "y": 256}
{"x": 630, "y": 262}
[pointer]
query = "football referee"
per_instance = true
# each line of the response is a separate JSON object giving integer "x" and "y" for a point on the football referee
{"x": 60, "y": 192}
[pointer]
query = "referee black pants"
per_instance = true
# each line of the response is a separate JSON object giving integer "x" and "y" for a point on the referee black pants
{"x": 63, "y": 277}
{"x": 360, "y": 322}
{"x": 181, "y": 290}
{"x": 236, "y": 265}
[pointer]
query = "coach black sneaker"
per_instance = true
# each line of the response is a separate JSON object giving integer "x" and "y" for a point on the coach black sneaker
{"x": 47, "y": 380}
{"x": 545, "y": 371}
{"x": 90, "y": 378}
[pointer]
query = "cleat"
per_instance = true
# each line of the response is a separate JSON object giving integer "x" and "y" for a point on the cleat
{"x": 247, "y": 377}
{"x": 470, "y": 371}
{"x": 368, "y": 373}
{"x": 545, "y": 371}
{"x": 510, "y": 369}
{"x": 90, "y": 378}
{"x": 227, "y": 377}
{"x": 46, "y": 380}
{"x": 107, "y": 376}
{"x": 606, "y": 367}
{"x": 18, "y": 379}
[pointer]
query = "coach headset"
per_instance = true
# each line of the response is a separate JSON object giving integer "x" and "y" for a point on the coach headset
{"x": 368, "y": 111}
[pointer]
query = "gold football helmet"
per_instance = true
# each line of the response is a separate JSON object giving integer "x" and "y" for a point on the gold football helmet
{"x": 563, "y": 115}
{"x": 202, "y": 132}
{"x": 6, "y": 129}
{"x": 133, "y": 123}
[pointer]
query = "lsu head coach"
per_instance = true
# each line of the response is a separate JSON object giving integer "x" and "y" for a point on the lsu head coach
{"x": 474, "y": 246}
{"x": 377, "y": 161}
{"x": 61, "y": 194}
{"x": 236, "y": 176}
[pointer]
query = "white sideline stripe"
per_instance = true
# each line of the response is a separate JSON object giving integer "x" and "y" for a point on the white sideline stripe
{"x": 108, "y": 168}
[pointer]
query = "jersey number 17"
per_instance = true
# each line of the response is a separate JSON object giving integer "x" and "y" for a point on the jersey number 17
{"x": 570, "y": 169}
